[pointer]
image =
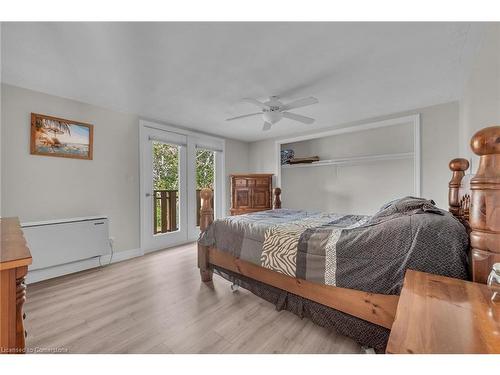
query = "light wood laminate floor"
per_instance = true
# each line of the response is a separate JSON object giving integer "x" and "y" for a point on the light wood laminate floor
{"x": 157, "y": 304}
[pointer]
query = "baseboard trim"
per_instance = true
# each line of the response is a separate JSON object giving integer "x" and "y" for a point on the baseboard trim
{"x": 35, "y": 276}
{"x": 120, "y": 256}
{"x": 176, "y": 244}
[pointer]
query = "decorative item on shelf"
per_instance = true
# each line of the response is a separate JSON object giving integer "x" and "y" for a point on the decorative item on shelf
{"x": 494, "y": 282}
{"x": 52, "y": 136}
{"x": 307, "y": 160}
{"x": 286, "y": 155}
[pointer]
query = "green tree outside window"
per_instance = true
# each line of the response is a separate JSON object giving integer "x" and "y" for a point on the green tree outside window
{"x": 166, "y": 167}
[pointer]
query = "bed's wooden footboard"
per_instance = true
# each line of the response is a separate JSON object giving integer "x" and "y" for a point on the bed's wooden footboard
{"x": 379, "y": 309}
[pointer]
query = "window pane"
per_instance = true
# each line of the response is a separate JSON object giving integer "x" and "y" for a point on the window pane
{"x": 205, "y": 169}
{"x": 165, "y": 187}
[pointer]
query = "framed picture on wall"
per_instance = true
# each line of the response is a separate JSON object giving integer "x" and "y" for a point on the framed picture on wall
{"x": 52, "y": 136}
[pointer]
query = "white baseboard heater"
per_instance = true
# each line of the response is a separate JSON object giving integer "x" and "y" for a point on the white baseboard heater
{"x": 64, "y": 246}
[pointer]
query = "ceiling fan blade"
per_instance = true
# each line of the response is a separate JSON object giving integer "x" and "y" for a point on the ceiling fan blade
{"x": 300, "y": 118}
{"x": 256, "y": 102}
{"x": 300, "y": 103}
{"x": 267, "y": 126}
{"x": 243, "y": 116}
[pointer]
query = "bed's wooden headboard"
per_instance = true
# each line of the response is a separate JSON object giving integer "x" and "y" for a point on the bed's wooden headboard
{"x": 475, "y": 200}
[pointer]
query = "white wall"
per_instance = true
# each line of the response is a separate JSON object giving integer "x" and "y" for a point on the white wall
{"x": 1, "y": 24}
{"x": 439, "y": 132}
{"x": 358, "y": 143}
{"x": 261, "y": 156}
{"x": 40, "y": 188}
{"x": 356, "y": 189}
{"x": 480, "y": 103}
{"x": 237, "y": 153}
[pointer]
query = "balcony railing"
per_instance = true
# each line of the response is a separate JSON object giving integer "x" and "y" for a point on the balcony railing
{"x": 165, "y": 210}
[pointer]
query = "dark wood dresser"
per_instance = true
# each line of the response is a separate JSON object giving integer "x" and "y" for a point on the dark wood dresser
{"x": 14, "y": 260}
{"x": 251, "y": 193}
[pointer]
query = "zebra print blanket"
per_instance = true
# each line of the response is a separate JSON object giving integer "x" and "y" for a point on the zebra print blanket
{"x": 351, "y": 251}
{"x": 306, "y": 248}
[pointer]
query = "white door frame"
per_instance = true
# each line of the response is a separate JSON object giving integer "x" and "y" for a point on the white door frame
{"x": 193, "y": 139}
{"x": 150, "y": 241}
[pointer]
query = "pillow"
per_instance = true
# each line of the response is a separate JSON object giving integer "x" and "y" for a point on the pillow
{"x": 407, "y": 206}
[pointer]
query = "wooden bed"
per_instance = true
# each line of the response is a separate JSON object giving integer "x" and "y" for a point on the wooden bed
{"x": 474, "y": 200}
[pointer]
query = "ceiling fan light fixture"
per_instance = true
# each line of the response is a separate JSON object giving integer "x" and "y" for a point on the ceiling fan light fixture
{"x": 272, "y": 117}
{"x": 274, "y": 110}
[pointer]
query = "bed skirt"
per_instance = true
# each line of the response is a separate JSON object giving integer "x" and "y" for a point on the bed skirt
{"x": 365, "y": 333}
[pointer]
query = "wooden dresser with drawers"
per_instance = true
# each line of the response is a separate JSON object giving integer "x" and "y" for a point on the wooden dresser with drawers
{"x": 251, "y": 193}
{"x": 15, "y": 257}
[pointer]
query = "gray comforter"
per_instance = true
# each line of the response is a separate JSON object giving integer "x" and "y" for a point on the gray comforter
{"x": 351, "y": 251}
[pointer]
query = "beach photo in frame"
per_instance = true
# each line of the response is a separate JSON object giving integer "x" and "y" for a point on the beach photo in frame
{"x": 52, "y": 136}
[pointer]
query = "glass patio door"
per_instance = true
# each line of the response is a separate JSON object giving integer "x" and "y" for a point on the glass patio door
{"x": 164, "y": 187}
{"x": 175, "y": 165}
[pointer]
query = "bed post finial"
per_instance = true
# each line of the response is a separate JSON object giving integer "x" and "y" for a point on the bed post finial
{"x": 458, "y": 167}
{"x": 206, "y": 210}
{"x": 277, "y": 199}
{"x": 485, "y": 203}
{"x": 206, "y": 218}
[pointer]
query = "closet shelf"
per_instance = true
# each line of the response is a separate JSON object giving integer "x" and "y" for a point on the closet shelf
{"x": 353, "y": 160}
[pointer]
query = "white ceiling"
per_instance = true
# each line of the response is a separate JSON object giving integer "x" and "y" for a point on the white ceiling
{"x": 194, "y": 74}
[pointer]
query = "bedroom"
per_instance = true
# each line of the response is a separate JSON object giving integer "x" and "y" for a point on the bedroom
{"x": 250, "y": 187}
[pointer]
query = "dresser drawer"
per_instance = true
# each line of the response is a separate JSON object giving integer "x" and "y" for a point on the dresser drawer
{"x": 240, "y": 182}
{"x": 262, "y": 182}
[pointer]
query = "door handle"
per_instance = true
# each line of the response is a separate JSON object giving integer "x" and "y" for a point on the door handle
{"x": 148, "y": 195}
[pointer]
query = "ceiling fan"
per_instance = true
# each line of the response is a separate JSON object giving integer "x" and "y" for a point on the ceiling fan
{"x": 274, "y": 110}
